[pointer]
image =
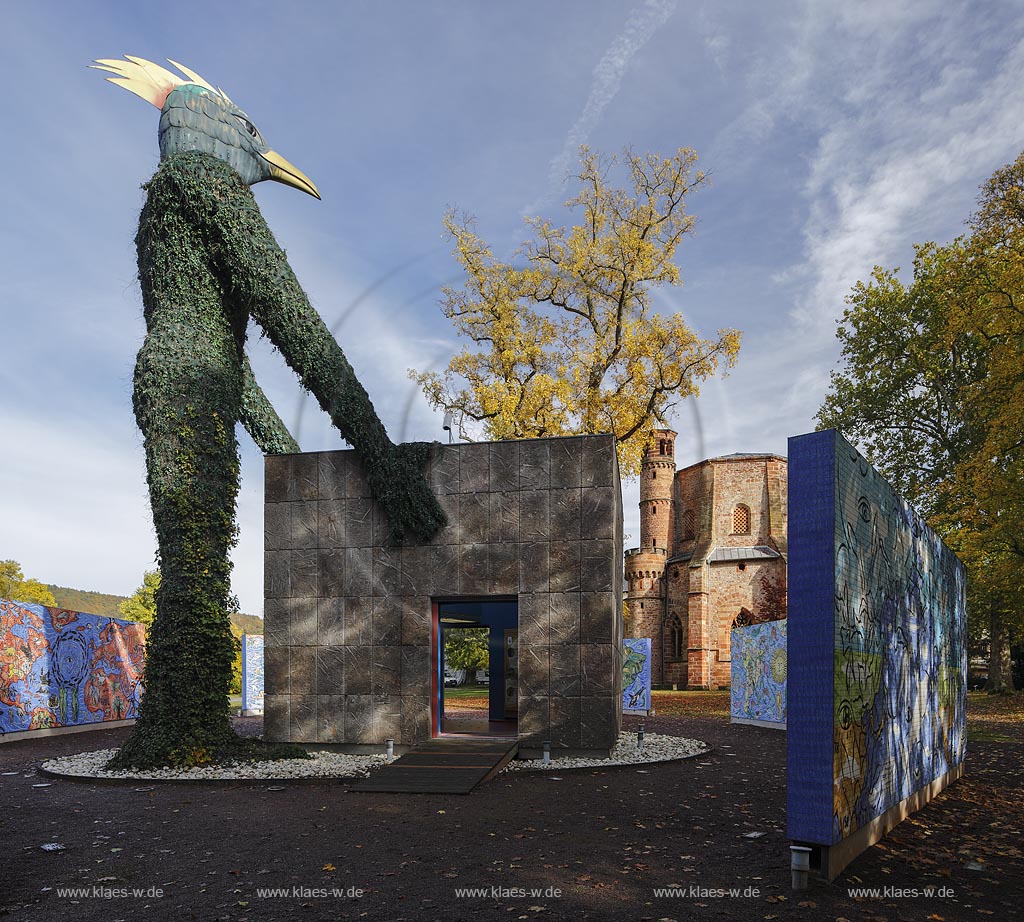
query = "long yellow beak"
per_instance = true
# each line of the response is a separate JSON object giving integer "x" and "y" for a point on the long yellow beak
{"x": 282, "y": 171}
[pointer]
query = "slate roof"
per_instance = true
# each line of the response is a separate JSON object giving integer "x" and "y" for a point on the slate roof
{"x": 758, "y": 552}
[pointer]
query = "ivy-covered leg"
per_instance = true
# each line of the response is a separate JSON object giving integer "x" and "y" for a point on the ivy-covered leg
{"x": 192, "y": 471}
{"x": 187, "y": 397}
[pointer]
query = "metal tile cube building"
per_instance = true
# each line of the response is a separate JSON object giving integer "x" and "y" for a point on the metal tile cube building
{"x": 351, "y": 620}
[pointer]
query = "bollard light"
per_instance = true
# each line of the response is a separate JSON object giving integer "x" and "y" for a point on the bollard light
{"x": 389, "y": 750}
{"x": 547, "y": 752}
{"x": 640, "y": 737}
{"x": 799, "y": 865}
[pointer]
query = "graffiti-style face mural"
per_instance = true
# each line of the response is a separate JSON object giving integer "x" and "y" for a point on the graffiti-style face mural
{"x": 61, "y": 668}
{"x": 758, "y": 684}
{"x": 900, "y": 655}
{"x": 883, "y": 672}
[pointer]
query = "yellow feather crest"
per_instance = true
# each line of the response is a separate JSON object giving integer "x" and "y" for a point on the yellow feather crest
{"x": 148, "y": 80}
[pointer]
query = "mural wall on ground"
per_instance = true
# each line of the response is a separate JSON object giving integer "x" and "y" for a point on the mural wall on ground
{"x": 62, "y": 668}
{"x": 252, "y": 672}
{"x": 878, "y": 660}
{"x": 759, "y": 673}
{"x": 636, "y": 674}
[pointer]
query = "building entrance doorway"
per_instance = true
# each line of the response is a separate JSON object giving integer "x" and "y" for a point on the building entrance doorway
{"x": 476, "y": 660}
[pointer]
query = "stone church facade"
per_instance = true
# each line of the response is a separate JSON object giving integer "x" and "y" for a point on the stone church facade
{"x": 712, "y": 555}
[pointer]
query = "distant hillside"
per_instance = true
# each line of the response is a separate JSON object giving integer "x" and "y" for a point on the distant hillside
{"x": 247, "y": 624}
{"x": 101, "y": 603}
{"x": 92, "y": 603}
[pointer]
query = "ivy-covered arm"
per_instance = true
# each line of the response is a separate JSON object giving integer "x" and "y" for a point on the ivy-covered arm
{"x": 257, "y": 278}
{"x": 260, "y": 418}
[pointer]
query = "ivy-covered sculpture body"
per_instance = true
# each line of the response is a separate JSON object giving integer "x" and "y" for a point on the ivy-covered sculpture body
{"x": 207, "y": 264}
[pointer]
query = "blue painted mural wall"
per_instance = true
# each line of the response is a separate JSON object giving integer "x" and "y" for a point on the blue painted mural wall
{"x": 758, "y": 685}
{"x": 252, "y": 672}
{"x": 877, "y": 645}
{"x": 636, "y": 674}
{"x": 62, "y": 668}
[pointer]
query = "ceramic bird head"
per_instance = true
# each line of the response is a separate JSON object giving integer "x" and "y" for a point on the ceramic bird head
{"x": 197, "y": 116}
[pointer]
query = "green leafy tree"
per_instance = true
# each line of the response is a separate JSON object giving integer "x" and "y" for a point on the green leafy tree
{"x": 141, "y": 605}
{"x": 15, "y": 587}
{"x": 932, "y": 389}
{"x": 900, "y": 391}
{"x": 989, "y": 292}
{"x": 572, "y": 343}
{"x": 466, "y": 648}
{"x": 235, "y": 688}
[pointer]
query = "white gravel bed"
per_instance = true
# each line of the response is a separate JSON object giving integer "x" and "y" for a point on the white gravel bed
{"x": 322, "y": 765}
{"x": 656, "y": 748}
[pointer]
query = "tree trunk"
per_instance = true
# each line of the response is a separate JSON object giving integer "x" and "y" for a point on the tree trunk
{"x": 1000, "y": 668}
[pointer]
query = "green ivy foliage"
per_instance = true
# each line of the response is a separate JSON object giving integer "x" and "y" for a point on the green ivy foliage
{"x": 260, "y": 418}
{"x": 207, "y": 263}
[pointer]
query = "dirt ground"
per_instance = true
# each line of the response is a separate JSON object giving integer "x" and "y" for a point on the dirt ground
{"x": 572, "y": 845}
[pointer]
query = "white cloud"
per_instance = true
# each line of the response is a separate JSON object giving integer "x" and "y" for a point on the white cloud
{"x": 868, "y": 201}
{"x": 902, "y": 111}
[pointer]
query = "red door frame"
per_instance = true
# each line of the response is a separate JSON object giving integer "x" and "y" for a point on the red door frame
{"x": 435, "y": 667}
{"x": 435, "y": 651}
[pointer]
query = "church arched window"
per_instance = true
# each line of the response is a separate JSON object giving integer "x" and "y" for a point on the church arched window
{"x": 741, "y": 520}
{"x": 675, "y": 637}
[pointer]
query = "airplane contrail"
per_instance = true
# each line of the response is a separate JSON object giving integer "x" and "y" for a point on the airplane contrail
{"x": 643, "y": 22}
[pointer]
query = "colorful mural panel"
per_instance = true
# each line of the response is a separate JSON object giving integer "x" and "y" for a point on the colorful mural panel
{"x": 636, "y": 675}
{"x": 252, "y": 672}
{"x": 759, "y": 674}
{"x": 62, "y": 668}
{"x": 877, "y": 645}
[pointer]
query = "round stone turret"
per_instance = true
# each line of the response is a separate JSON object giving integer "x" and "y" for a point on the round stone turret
{"x": 645, "y": 565}
{"x": 657, "y": 489}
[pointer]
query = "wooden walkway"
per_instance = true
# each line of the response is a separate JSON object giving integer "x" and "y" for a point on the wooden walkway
{"x": 446, "y": 765}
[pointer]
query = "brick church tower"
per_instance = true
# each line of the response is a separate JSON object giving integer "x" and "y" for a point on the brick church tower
{"x": 712, "y": 555}
{"x": 645, "y": 565}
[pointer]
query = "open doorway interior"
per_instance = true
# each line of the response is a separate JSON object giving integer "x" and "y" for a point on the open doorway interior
{"x": 478, "y": 660}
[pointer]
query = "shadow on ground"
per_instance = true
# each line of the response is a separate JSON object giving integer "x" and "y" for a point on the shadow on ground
{"x": 605, "y": 841}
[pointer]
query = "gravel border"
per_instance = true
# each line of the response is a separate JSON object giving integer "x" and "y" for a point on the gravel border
{"x": 323, "y": 766}
{"x": 657, "y": 747}
{"x": 327, "y": 766}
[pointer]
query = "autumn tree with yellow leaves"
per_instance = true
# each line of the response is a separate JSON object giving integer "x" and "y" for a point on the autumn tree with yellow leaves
{"x": 16, "y": 588}
{"x": 569, "y": 341}
{"x": 988, "y": 287}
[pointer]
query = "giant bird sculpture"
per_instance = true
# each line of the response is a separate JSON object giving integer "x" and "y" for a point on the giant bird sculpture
{"x": 207, "y": 264}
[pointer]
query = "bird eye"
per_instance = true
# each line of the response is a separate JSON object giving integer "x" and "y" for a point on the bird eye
{"x": 250, "y": 127}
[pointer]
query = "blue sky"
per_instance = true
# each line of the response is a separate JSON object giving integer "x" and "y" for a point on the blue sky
{"x": 836, "y": 135}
